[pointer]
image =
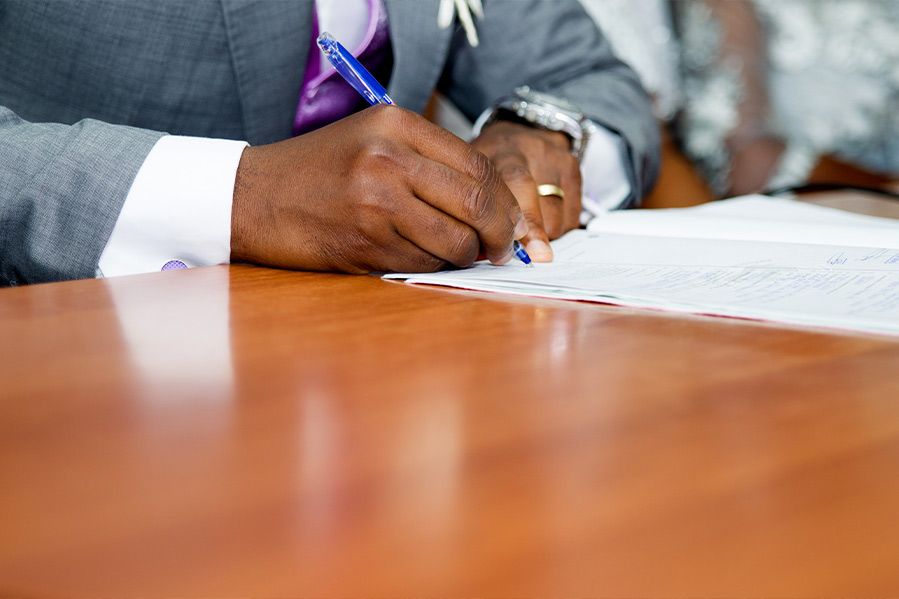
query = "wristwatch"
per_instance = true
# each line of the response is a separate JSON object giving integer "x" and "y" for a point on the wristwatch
{"x": 543, "y": 111}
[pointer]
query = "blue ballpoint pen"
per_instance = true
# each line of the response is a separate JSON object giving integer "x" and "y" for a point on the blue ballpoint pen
{"x": 352, "y": 70}
{"x": 364, "y": 83}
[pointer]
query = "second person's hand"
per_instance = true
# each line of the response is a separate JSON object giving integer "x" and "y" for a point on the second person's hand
{"x": 527, "y": 158}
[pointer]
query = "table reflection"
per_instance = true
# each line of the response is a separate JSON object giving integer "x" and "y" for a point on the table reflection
{"x": 175, "y": 328}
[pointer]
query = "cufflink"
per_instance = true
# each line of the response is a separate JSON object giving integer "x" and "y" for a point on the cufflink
{"x": 174, "y": 265}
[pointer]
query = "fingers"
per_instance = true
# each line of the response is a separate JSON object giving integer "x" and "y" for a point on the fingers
{"x": 402, "y": 255}
{"x": 513, "y": 169}
{"x": 546, "y": 171}
{"x": 382, "y": 244}
{"x": 439, "y": 234}
{"x": 472, "y": 204}
{"x": 551, "y": 162}
{"x": 560, "y": 214}
{"x": 571, "y": 183}
{"x": 458, "y": 180}
{"x": 526, "y": 158}
{"x": 439, "y": 145}
{"x": 551, "y": 206}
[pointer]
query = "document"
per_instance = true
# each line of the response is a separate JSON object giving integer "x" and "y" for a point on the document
{"x": 755, "y": 218}
{"x": 834, "y": 286}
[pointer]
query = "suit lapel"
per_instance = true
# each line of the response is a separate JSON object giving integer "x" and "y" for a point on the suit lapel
{"x": 269, "y": 42}
{"x": 419, "y": 51}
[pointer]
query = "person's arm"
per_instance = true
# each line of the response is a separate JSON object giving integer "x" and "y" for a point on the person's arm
{"x": 381, "y": 190}
{"x": 61, "y": 191}
{"x": 553, "y": 47}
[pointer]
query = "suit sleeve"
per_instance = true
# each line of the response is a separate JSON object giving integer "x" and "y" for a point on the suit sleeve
{"x": 61, "y": 190}
{"x": 554, "y": 46}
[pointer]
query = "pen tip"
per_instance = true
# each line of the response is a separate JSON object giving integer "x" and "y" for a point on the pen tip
{"x": 326, "y": 41}
{"x": 521, "y": 253}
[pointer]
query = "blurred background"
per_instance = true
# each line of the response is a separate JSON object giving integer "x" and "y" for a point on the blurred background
{"x": 761, "y": 94}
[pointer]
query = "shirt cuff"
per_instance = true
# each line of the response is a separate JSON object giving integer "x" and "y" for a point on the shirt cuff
{"x": 605, "y": 183}
{"x": 178, "y": 208}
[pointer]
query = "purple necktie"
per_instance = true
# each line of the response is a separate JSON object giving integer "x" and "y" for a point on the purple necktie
{"x": 326, "y": 97}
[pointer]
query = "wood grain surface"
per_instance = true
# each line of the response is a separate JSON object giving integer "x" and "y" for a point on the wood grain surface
{"x": 238, "y": 431}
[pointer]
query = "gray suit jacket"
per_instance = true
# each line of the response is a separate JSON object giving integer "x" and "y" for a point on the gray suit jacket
{"x": 86, "y": 89}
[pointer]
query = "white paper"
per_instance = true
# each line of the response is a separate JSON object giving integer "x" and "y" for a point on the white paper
{"x": 841, "y": 287}
{"x": 755, "y": 218}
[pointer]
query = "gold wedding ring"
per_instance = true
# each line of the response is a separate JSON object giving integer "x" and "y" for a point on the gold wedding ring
{"x": 548, "y": 189}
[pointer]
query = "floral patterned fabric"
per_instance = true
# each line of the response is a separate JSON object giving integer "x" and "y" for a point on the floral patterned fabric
{"x": 821, "y": 74}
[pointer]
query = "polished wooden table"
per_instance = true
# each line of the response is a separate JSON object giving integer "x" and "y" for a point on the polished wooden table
{"x": 249, "y": 432}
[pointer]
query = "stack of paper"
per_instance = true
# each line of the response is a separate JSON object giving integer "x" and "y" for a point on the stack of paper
{"x": 846, "y": 286}
{"x": 755, "y": 218}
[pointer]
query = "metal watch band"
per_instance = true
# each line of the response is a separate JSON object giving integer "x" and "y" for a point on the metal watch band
{"x": 541, "y": 114}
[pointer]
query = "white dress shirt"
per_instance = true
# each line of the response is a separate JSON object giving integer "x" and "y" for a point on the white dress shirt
{"x": 179, "y": 205}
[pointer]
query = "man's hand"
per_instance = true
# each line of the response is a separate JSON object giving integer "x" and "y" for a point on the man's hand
{"x": 526, "y": 157}
{"x": 382, "y": 190}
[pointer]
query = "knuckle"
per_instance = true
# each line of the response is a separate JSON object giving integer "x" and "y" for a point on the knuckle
{"x": 372, "y": 210}
{"x": 381, "y": 162}
{"x": 538, "y": 144}
{"x": 477, "y": 202}
{"x": 464, "y": 248}
{"x": 533, "y": 214}
{"x": 393, "y": 117}
{"x": 385, "y": 112}
{"x": 380, "y": 152}
{"x": 480, "y": 167}
{"x": 516, "y": 172}
{"x": 416, "y": 168}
